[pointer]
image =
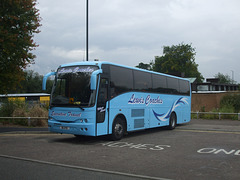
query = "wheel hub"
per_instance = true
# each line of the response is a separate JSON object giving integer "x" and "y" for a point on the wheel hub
{"x": 118, "y": 129}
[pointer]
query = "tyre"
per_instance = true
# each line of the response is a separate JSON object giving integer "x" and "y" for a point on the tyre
{"x": 118, "y": 129}
{"x": 172, "y": 121}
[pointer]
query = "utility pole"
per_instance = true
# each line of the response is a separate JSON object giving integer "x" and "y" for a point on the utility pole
{"x": 232, "y": 76}
{"x": 86, "y": 30}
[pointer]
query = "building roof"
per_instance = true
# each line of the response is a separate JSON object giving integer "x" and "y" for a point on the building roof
{"x": 192, "y": 80}
{"x": 24, "y": 95}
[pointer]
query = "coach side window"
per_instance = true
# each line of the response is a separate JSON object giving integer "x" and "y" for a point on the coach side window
{"x": 142, "y": 81}
{"x": 184, "y": 87}
{"x": 159, "y": 83}
{"x": 173, "y": 85}
{"x": 121, "y": 80}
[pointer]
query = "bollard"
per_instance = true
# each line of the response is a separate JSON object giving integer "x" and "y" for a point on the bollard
{"x": 238, "y": 116}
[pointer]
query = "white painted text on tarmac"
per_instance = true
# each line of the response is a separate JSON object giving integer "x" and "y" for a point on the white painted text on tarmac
{"x": 152, "y": 147}
{"x": 219, "y": 151}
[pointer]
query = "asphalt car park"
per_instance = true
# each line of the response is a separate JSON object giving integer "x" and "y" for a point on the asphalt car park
{"x": 199, "y": 150}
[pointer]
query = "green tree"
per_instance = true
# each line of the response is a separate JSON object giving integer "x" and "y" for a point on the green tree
{"x": 178, "y": 59}
{"x": 32, "y": 83}
{"x": 224, "y": 78}
{"x": 19, "y": 21}
{"x": 145, "y": 66}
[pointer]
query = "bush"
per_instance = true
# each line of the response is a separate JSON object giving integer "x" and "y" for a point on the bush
{"x": 231, "y": 101}
{"x": 37, "y": 111}
{"x": 20, "y": 109}
{"x": 20, "y": 112}
{"x": 7, "y": 108}
{"x": 226, "y": 109}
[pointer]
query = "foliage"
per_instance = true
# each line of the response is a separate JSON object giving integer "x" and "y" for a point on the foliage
{"x": 19, "y": 21}
{"x": 214, "y": 114}
{"x": 178, "y": 59}
{"x": 145, "y": 66}
{"x": 231, "y": 101}
{"x": 228, "y": 104}
{"x": 32, "y": 83}
{"x": 32, "y": 111}
{"x": 225, "y": 79}
{"x": 21, "y": 109}
{"x": 7, "y": 108}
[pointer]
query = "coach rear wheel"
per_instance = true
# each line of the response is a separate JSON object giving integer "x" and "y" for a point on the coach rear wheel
{"x": 118, "y": 129}
{"x": 172, "y": 121}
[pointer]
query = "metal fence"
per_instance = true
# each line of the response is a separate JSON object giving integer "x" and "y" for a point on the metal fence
{"x": 195, "y": 115}
{"x": 216, "y": 115}
{"x": 29, "y": 119}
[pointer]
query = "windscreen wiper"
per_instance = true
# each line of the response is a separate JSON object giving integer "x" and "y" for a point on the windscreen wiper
{"x": 78, "y": 105}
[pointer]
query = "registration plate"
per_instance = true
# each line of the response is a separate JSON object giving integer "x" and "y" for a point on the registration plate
{"x": 64, "y": 127}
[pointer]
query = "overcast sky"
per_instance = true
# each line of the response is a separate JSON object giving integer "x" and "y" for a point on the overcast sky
{"x": 131, "y": 31}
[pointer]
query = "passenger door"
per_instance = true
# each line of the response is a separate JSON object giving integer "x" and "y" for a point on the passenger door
{"x": 102, "y": 107}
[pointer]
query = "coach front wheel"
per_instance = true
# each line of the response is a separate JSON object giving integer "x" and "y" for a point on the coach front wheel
{"x": 118, "y": 129}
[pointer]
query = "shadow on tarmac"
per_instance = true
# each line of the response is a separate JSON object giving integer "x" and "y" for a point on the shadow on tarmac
{"x": 91, "y": 140}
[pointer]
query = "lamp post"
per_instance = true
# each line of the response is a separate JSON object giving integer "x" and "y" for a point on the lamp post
{"x": 232, "y": 76}
{"x": 86, "y": 30}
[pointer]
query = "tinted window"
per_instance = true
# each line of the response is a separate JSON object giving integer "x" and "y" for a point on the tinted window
{"x": 142, "y": 81}
{"x": 173, "y": 86}
{"x": 184, "y": 87}
{"x": 121, "y": 80}
{"x": 159, "y": 83}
